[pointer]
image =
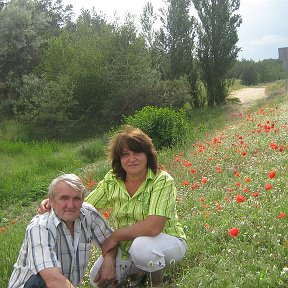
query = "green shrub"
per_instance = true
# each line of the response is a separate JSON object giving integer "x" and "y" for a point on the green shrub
{"x": 165, "y": 126}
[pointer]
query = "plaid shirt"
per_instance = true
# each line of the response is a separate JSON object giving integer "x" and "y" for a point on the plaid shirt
{"x": 155, "y": 196}
{"x": 48, "y": 243}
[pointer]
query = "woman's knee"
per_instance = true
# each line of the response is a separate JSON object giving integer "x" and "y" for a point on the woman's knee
{"x": 145, "y": 255}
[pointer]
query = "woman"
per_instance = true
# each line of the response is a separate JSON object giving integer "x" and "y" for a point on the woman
{"x": 143, "y": 202}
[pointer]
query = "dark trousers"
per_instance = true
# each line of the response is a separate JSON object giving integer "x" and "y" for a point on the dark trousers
{"x": 35, "y": 281}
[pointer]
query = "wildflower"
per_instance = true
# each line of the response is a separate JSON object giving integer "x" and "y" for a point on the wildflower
{"x": 202, "y": 199}
{"x": 218, "y": 169}
{"x": 185, "y": 183}
{"x": 281, "y": 215}
{"x": 240, "y": 198}
{"x": 91, "y": 183}
{"x": 268, "y": 186}
{"x": 273, "y": 145}
{"x": 194, "y": 186}
{"x": 204, "y": 180}
{"x": 106, "y": 214}
{"x": 244, "y": 153}
{"x": 236, "y": 173}
{"x": 247, "y": 179}
{"x": 246, "y": 190}
{"x": 271, "y": 174}
{"x": 192, "y": 171}
{"x": 255, "y": 194}
{"x": 206, "y": 226}
{"x": 281, "y": 148}
{"x": 233, "y": 232}
{"x": 187, "y": 163}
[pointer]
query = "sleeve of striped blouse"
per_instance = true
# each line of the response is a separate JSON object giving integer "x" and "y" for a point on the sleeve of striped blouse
{"x": 41, "y": 249}
{"x": 163, "y": 196}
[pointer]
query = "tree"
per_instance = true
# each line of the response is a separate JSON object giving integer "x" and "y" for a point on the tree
{"x": 25, "y": 27}
{"x": 217, "y": 50}
{"x": 175, "y": 44}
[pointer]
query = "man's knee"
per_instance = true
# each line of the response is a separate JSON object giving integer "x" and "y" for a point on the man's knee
{"x": 35, "y": 281}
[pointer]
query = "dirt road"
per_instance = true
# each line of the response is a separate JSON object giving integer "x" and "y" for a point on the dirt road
{"x": 247, "y": 95}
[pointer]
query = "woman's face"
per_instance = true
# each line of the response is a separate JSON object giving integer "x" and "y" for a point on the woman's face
{"x": 134, "y": 163}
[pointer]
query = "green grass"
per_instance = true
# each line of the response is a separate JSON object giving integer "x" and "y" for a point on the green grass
{"x": 257, "y": 257}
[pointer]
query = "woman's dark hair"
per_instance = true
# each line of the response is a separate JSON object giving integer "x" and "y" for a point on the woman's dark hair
{"x": 133, "y": 139}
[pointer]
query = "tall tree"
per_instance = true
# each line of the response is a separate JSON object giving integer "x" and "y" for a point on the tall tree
{"x": 217, "y": 50}
{"x": 175, "y": 43}
{"x": 148, "y": 19}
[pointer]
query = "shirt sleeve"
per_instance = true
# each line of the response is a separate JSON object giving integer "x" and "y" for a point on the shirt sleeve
{"x": 41, "y": 249}
{"x": 100, "y": 228}
{"x": 98, "y": 197}
{"x": 163, "y": 196}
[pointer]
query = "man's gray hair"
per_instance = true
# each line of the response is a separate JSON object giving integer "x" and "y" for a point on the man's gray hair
{"x": 70, "y": 179}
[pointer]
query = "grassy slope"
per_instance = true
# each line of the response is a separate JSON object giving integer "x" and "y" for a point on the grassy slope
{"x": 256, "y": 257}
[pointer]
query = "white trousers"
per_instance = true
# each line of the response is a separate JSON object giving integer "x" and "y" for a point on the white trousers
{"x": 148, "y": 254}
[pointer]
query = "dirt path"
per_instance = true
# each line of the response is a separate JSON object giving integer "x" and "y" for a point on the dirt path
{"x": 247, "y": 95}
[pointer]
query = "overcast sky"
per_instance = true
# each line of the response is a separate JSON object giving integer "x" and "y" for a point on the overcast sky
{"x": 264, "y": 28}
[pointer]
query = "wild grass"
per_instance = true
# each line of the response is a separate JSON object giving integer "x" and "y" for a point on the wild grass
{"x": 230, "y": 153}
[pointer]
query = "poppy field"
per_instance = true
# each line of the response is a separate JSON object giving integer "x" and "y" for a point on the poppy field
{"x": 232, "y": 199}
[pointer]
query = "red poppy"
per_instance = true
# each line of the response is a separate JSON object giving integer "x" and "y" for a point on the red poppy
{"x": 247, "y": 179}
{"x": 268, "y": 186}
{"x": 236, "y": 173}
{"x": 187, "y": 163}
{"x": 255, "y": 194}
{"x": 244, "y": 153}
{"x": 240, "y": 198}
{"x": 185, "y": 183}
{"x": 194, "y": 186}
{"x": 218, "y": 169}
{"x": 204, "y": 180}
{"x": 281, "y": 148}
{"x": 192, "y": 171}
{"x": 106, "y": 214}
{"x": 281, "y": 215}
{"x": 206, "y": 225}
{"x": 246, "y": 190}
{"x": 91, "y": 183}
{"x": 233, "y": 232}
{"x": 271, "y": 174}
{"x": 273, "y": 145}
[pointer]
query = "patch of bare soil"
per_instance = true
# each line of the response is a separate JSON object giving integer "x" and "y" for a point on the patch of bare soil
{"x": 247, "y": 95}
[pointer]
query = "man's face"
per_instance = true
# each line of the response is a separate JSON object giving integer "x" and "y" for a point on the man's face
{"x": 66, "y": 202}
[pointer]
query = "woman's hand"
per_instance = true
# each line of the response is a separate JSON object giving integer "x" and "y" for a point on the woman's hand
{"x": 109, "y": 244}
{"x": 44, "y": 206}
{"x": 107, "y": 273}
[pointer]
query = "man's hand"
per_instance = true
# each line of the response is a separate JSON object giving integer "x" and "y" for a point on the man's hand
{"x": 44, "y": 206}
{"x": 54, "y": 278}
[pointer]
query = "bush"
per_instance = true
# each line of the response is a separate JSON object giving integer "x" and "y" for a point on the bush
{"x": 165, "y": 126}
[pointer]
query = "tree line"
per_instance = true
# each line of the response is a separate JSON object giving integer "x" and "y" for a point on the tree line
{"x": 61, "y": 75}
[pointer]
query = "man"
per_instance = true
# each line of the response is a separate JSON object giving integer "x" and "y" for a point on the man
{"x": 57, "y": 244}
